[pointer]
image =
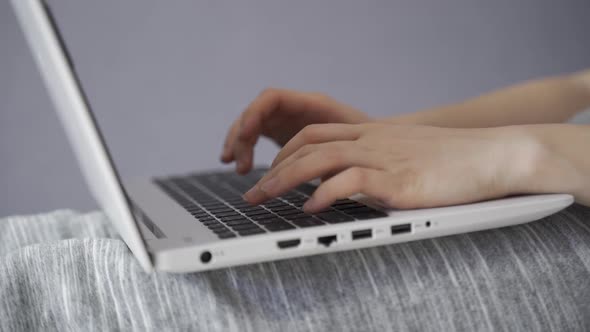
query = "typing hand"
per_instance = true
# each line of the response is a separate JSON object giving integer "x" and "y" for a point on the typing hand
{"x": 279, "y": 115}
{"x": 401, "y": 166}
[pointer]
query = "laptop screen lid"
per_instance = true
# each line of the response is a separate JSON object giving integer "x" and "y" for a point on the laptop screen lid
{"x": 76, "y": 116}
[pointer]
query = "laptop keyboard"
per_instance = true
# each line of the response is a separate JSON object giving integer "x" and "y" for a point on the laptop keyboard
{"x": 215, "y": 200}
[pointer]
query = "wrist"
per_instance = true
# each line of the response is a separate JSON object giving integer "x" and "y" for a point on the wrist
{"x": 515, "y": 153}
{"x": 416, "y": 118}
{"x": 532, "y": 166}
{"x": 583, "y": 80}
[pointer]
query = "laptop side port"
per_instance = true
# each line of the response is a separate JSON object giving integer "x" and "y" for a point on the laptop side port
{"x": 285, "y": 244}
{"x": 362, "y": 234}
{"x": 327, "y": 240}
{"x": 206, "y": 257}
{"x": 401, "y": 229}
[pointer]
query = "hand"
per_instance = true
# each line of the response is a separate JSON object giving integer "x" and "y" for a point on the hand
{"x": 401, "y": 166}
{"x": 279, "y": 115}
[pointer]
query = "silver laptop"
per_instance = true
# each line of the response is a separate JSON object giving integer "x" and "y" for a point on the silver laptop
{"x": 196, "y": 222}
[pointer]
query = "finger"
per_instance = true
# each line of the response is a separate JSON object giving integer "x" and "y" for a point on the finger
{"x": 327, "y": 176}
{"x": 257, "y": 195}
{"x": 318, "y": 133}
{"x": 301, "y": 153}
{"x": 227, "y": 155}
{"x": 329, "y": 158}
{"x": 269, "y": 101}
{"x": 244, "y": 154}
{"x": 354, "y": 180}
{"x": 306, "y": 149}
{"x": 250, "y": 124}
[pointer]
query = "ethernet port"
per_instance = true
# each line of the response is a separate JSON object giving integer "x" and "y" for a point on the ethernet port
{"x": 327, "y": 240}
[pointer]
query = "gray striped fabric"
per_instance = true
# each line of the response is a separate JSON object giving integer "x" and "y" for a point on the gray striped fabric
{"x": 68, "y": 271}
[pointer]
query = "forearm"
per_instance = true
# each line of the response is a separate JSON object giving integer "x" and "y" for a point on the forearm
{"x": 555, "y": 159}
{"x": 550, "y": 100}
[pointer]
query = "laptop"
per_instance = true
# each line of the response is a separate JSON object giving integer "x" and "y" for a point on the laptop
{"x": 198, "y": 221}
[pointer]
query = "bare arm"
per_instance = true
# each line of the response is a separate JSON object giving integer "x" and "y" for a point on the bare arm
{"x": 561, "y": 160}
{"x": 549, "y": 100}
{"x": 508, "y": 141}
{"x": 408, "y": 166}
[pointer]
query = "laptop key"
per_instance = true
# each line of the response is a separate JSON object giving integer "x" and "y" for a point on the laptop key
{"x": 300, "y": 215}
{"x": 308, "y": 222}
{"x": 252, "y": 231}
{"x": 273, "y": 202}
{"x": 232, "y": 217}
{"x": 280, "y": 207}
{"x": 269, "y": 221}
{"x": 306, "y": 188}
{"x": 298, "y": 202}
{"x": 210, "y": 222}
{"x": 214, "y": 205}
{"x": 261, "y": 217}
{"x": 350, "y": 206}
{"x": 243, "y": 221}
{"x": 216, "y": 226}
{"x": 334, "y": 217}
{"x": 240, "y": 206}
{"x": 369, "y": 215}
{"x": 277, "y": 227}
{"x": 291, "y": 211}
{"x": 235, "y": 200}
{"x": 221, "y": 230}
{"x": 362, "y": 209}
{"x": 221, "y": 211}
{"x": 226, "y": 235}
{"x": 344, "y": 201}
{"x": 227, "y": 214}
{"x": 298, "y": 205}
{"x": 244, "y": 226}
{"x": 256, "y": 213}
{"x": 253, "y": 208}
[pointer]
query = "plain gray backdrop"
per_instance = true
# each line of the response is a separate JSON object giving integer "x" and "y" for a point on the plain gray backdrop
{"x": 166, "y": 78}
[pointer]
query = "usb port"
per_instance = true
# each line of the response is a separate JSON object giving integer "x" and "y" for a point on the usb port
{"x": 400, "y": 229}
{"x": 289, "y": 243}
{"x": 362, "y": 234}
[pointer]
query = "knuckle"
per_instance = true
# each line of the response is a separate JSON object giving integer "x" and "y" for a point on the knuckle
{"x": 309, "y": 132}
{"x": 268, "y": 92}
{"x": 306, "y": 149}
{"x": 320, "y": 95}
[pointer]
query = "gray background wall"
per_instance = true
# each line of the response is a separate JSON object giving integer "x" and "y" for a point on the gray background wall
{"x": 166, "y": 78}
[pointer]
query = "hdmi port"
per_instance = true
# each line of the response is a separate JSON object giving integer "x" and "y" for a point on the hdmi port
{"x": 289, "y": 243}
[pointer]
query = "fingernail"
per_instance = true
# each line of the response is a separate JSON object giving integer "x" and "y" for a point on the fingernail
{"x": 269, "y": 185}
{"x": 250, "y": 193}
